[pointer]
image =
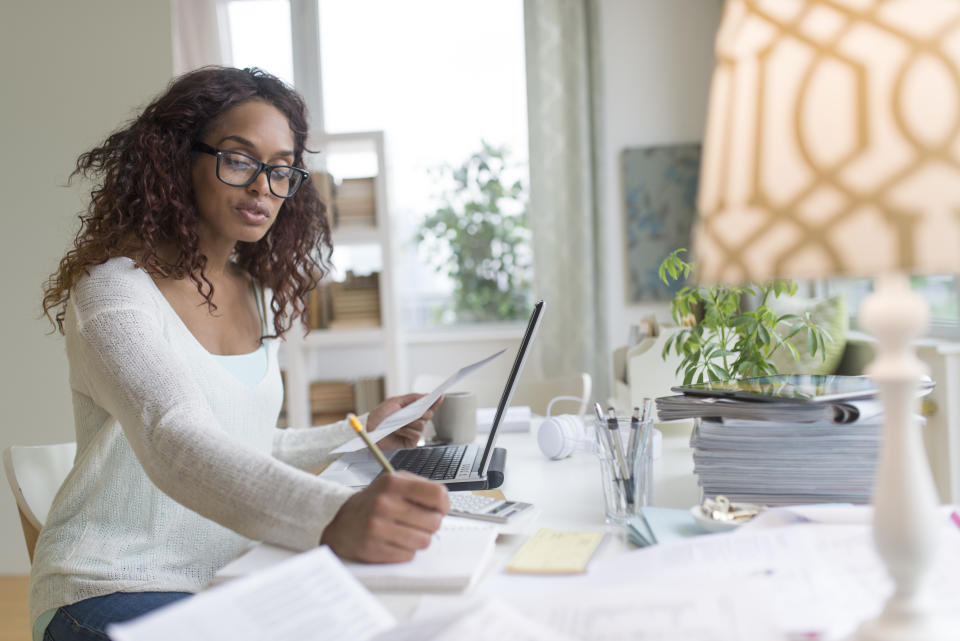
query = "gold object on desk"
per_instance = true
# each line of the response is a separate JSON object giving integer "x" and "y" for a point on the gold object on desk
{"x": 721, "y": 509}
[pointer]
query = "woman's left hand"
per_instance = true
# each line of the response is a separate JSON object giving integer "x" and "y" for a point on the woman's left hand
{"x": 409, "y": 434}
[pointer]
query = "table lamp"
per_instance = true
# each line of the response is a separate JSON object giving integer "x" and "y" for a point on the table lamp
{"x": 832, "y": 147}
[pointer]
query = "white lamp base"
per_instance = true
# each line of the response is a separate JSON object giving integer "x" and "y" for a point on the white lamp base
{"x": 906, "y": 528}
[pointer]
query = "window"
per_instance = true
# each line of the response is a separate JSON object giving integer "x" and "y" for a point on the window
{"x": 260, "y": 36}
{"x": 942, "y": 294}
{"x": 439, "y": 77}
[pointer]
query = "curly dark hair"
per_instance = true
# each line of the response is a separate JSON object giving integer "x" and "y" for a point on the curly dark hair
{"x": 143, "y": 198}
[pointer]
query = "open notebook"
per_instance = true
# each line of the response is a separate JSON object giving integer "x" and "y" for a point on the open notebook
{"x": 457, "y": 557}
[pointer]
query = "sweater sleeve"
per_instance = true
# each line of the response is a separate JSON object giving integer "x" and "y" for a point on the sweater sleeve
{"x": 131, "y": 372}
{"x": 308, "y": 448}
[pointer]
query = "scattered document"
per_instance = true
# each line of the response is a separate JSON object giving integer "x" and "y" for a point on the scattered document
{"x": 291, "y": 601}
{"x": 490, "y": 619}
{"x": 555, "y": 552}
{"x": 647, "y": 611}
{"x": 414, "y": 410}
{"x": 459, "y": 553}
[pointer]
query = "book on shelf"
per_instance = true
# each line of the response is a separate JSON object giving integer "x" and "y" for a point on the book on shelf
{"x": 355, "y": 202}
{"x": 368, "y": 392}
{"x": 330, "y": 401}
{"x": 324, "y": 184}
{"x": 355, "y": 302}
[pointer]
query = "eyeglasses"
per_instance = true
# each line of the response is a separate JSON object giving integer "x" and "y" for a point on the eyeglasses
{"x": 237, "y": 169}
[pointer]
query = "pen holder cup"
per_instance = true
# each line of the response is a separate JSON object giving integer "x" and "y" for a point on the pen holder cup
{"x": 626, "y": 472}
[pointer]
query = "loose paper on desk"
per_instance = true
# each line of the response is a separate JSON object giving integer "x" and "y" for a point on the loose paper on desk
{"x": 457, "y": 556}
{"x": 555, "y": 552}
{"x": 414, "y": 410}
{"x": 478, "y": 621}
{"x": 301, "y": 598}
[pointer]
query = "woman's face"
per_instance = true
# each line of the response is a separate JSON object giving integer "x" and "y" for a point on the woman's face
{"x": 230, "y": 214}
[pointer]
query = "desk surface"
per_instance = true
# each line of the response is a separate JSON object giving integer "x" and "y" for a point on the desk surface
{"x": 569, "y": 496}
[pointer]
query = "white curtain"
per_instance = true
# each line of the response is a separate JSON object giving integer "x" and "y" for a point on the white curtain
{"x": 201, "y": 34}
{"x": 563, "y": 208}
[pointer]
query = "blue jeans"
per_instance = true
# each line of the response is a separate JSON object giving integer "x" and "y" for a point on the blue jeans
{"x": 86, "y": 620}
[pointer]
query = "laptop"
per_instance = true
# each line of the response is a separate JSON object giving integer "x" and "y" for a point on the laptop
{"x": 459, "y": 467}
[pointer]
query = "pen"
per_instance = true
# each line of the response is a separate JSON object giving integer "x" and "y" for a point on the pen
{"x": 606, "y": 444}
{"x": 632, "y": 443}
{"x": 603, "y": 435}
{"x": 625, "y": 475}
{"x": 370, "y": 444}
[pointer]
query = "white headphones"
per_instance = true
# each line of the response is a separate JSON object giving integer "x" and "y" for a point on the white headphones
{"x": 559, "y": 436}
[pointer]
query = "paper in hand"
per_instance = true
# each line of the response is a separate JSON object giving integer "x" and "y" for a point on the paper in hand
{"x": 414, "y": 410}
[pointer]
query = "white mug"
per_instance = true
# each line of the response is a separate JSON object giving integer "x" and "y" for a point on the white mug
{"x": 455, "y": 420}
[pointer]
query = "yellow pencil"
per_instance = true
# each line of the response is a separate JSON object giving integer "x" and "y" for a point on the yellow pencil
{"x": 370, "y": 444}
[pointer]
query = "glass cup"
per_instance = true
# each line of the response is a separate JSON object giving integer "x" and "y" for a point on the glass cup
{"x": 626, "y": 472}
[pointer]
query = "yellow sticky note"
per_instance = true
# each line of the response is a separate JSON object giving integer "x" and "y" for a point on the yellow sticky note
{"x": 555, "y": 552}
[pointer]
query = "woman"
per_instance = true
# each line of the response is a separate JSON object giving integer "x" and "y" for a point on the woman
{"x": 199, "y": 246}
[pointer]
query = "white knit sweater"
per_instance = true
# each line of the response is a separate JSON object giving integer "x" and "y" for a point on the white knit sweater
{"x": 179, "y": 464}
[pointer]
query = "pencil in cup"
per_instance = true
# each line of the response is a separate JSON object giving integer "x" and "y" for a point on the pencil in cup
{"x": 625, "y": 493}
{"x": 355, "y": 423}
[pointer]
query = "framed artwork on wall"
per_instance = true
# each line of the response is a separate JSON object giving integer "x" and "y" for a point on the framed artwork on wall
{"x": 660, "y": 201}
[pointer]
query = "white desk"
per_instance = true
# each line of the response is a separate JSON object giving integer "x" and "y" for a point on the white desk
{"x": 568, "y": 495}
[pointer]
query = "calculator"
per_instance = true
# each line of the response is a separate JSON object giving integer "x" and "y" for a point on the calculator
{"x": 486, "y": 508}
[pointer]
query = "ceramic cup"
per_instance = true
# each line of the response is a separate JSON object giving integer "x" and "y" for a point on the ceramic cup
{"x": 455, "y": 420}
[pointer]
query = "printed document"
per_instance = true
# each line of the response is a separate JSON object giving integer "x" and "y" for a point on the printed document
{"x": 293, "y": 600}
{"x": 414, "y": 410}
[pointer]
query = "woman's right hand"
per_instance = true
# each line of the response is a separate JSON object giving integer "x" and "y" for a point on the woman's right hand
{"x": 389, "y": 520}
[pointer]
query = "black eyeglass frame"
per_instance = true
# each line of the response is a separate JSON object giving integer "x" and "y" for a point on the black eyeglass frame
{"x": 203, "y": 147}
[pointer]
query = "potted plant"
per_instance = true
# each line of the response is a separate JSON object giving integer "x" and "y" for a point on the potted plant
{"x": 478, "y": 237}
{"x": 721, "y": 340}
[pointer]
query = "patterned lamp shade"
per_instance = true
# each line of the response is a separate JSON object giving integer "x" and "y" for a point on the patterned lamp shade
{"x": 833, "y": 141}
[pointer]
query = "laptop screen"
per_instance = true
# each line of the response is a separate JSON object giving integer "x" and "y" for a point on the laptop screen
{"x": 511, "y": 385}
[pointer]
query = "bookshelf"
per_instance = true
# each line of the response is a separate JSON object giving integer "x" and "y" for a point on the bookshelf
{"x": 355, "y": 331}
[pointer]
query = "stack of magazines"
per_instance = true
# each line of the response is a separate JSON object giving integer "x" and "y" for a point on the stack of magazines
{"x": 813, "y": 440}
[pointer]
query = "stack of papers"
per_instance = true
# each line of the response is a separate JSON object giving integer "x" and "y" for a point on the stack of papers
{"x": 778, "y": 463}
{"x": 780, "y": 451}
{"x": 683, "y": 406}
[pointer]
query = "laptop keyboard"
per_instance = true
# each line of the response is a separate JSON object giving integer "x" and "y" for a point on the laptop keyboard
{"x": 436, "y": 463}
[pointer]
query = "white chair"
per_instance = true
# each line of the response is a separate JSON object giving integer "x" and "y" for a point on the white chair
{"x": 35, "y": 474}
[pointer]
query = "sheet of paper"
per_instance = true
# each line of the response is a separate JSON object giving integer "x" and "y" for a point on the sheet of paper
{"x": 555, "y": 552}
{"x": 304, "y": 597}
{"x": 414, "y": 410}
{"x": 647, "y": 611}
{"x": 490, "y": 619}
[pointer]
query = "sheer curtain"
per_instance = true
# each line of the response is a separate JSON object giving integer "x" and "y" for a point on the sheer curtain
{"x": 563, "y": 207}
{"x": 201, "y": 34}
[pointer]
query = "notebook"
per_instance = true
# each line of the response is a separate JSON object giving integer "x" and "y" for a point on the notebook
{"x": 457, "y": 557}
{"x": 459, "y": 467}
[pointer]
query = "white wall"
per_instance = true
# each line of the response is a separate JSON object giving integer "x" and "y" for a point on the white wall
{"x": 72, "y": 72}
{"x": 657, "y": 59}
